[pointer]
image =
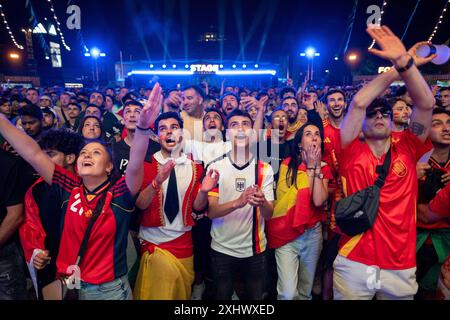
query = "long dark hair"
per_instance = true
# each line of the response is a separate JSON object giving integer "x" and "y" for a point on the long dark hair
{"x": 296, "y": 154}
{"x": 102, "y": 130}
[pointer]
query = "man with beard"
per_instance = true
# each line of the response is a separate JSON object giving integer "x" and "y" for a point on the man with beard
{"x": 73, "y": 111}
{"x": 290, "y": 106}
{"x": 171, "y": 192}
{"x": 229, "y": 102}
{"x": 433, "y": 237}
{"x": 336, "y": 106}
{"x": 381, "y": 261}
{"x": 193, "y": 111}
{"x": 49, "y": 119}
{"x": 401, "y": 113}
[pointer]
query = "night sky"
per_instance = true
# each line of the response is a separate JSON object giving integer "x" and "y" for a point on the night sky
{"x": 170, "y": 29}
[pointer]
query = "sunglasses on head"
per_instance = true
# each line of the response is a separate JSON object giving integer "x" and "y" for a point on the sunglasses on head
{"x": 386, "y": 113}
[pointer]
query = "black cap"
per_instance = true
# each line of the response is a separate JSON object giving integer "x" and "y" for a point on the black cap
{"x": 31, "y": 110}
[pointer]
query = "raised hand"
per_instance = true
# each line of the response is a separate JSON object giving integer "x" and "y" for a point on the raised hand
{"x": 173, "y": 100}
{"x": 391, "y": 46}
{"x": 164, "y": 172}
{"x": 418, "y": 60}
{"x": 210, "y": 180}
{"x": 152, "y": 108}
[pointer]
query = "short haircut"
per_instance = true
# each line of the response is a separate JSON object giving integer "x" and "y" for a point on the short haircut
{"x": 3, "y": 101}
{"x": 133, "y": 103}
{"x": 96, "y": 91}
{"x": 440, "y": 110}
{"x": 286, "y": 90}
{"x": 61, "y": 140}
{"x": 280, "y": 108}
{"x": 91, "y": 105}
{"x": 334, "y": 91}
{"x": 197, "y": 89}
{"x": 226, "y": 94}
{"x": 288, "y": 98}
{"x": 238, "y": 113}
{"x": 72, "y": 103}
{"x": 216, "y": 110}
{"x": 168, "y": 115}
{"x": 33, "y": 89}
{"x": 31, "y": 110}
{"x": 394, "y": 100}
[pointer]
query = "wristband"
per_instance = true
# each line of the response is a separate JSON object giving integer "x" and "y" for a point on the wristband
{"x": 408, "y": 65}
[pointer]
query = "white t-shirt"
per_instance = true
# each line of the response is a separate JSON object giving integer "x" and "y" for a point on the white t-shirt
{"x": 171, "y": 231}
{"x": 238, "y": 234}
{"x": 206, "y": 152}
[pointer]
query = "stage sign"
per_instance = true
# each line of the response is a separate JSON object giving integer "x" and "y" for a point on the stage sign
{"x": 205, "y": 68}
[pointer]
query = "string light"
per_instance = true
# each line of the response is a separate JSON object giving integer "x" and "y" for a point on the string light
{"x": 9, "y": 29}
{"x": 52, "y": 9}
{"x": 383, "y": 7}
{"x": 441, "y": 16}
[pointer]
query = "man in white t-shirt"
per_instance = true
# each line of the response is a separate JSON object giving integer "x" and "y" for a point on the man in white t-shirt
{"x": 213, "y": 146}
{"x": 238, "y": 207}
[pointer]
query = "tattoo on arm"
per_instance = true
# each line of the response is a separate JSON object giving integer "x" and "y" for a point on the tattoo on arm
{"x": 417, "y": 128}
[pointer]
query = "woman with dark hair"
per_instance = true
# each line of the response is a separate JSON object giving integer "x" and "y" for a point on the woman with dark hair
{"x": 96, "y": 202}
{"x": 295, "y": 229}
{"x": 91, "y": 128}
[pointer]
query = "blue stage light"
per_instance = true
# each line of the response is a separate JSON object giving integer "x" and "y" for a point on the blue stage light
{"x": 310, "y": 52}
{"x": 164, "y": 66}
{"x": 234, "y": 66}
{"x": 161, "y": 72}
{"x": 245, "y": 72}
{"x": 174, "y": 66}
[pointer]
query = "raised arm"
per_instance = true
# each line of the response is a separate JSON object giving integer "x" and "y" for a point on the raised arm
{"x": 28, "y": 149}
{"x": 392, "y": 49}
{"x": 135, "y": 169}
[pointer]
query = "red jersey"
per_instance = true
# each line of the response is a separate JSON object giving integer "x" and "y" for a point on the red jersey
{"x": 105, "y": 257}
{"x": 391, "y": 242}
{"x": 442, "y": 224}
{"x": 440, "y": 204}
{"x": 332, "y": 146}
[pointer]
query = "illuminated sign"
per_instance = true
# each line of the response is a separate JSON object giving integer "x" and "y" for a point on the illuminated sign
{"x": 204, "y": 68}
{"x": 383, "y": 69}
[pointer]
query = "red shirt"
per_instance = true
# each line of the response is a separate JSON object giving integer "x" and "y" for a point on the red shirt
{"x": 440, "y": 204}
{"x": 332, "y": 146}
{"x": 442, "y": 224}
{"x": 105, "y": 257}
{"x": 391, "y": 243}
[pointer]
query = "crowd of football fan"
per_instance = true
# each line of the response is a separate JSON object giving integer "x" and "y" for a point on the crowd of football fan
{"x": 226, "y": 193}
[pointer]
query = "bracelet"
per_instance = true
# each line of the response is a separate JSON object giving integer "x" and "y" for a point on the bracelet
{"x": 154, "y": 185}
{"x": 408, "y": 65}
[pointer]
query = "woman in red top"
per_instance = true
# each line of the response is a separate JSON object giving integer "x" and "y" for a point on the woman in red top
{"x": 295, "y": 230}
{"x": 102, "y": 270}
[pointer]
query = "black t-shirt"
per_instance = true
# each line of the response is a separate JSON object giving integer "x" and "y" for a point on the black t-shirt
{"x": 12, "y": 189}
{"x": 121, "y": 154}
{"x": 14, "y": 182}
{"x": 48, "y": 203}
